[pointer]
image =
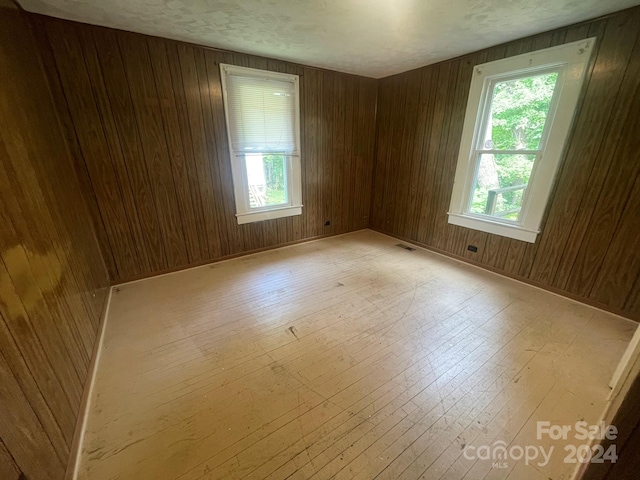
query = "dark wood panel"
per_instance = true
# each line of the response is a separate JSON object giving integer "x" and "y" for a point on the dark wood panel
{"x": 22, "y": 432}
{"x": 309, "y": 141}
{"x": 626, "y": 443}
{"x": 212, "y": 139}
{"x": 437, "y": 145}
{"x": 530, "y": 251}
{"x": 91, "y": 138}
{"x": 201, "y": 176}
{"x": 446, "y": 235}
{"x": 426, "y": 99}
{"x": 223, "y": 172}
{"x": 326, "y": 135}
{"x": 585, "y": 248}
{"x": 132, "y": 174}
{"x": 495, "y": 251}
{"x": 8, "y": 468}
{"x": 395, "y": 182}
{"x": 614, "y": 184}
{"x": 30, "y": 385}
{"x": 611, "y": 57}
{"x": 155, "y": 156}
{"x": 52, "y": 276}
{"x": 364, "y": 142}
{"x": 25, "y": 288}
{"x": 619, "y": 271}
{"x": 168, "y": 102}
{"x": 70, "y": 135}
{"x": 153, "y": 124}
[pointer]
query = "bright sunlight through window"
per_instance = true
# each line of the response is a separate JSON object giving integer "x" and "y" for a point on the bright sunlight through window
{"x": 518, "y": 116}
{"x": 263, "y": 125}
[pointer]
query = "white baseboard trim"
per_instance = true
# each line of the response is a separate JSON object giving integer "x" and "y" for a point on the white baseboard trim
{"x": 83, "y": 413}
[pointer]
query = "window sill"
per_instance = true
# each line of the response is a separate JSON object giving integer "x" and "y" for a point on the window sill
{"x": 497, "y": 228}
{"x": 281, "y": 212}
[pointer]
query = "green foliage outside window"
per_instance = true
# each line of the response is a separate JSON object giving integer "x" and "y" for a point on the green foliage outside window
{"x": 518, "y": 114}
{"x": 275, "y": 178}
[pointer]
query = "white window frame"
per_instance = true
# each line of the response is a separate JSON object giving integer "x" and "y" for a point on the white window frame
{"x": 244, "y": 213}
{"x": 570, "y": 61}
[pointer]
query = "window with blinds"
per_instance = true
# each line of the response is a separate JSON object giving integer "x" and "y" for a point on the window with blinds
{"x": 262, "y": 110}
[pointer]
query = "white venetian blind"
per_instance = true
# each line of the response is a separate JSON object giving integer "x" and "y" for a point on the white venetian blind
{"x": 261, "y": 112}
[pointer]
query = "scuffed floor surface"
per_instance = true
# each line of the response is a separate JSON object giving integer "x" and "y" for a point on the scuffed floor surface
{"x": 345, "y": 358}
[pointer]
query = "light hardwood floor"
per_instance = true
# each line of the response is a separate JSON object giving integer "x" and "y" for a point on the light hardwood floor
{"x": 347, "y": 358}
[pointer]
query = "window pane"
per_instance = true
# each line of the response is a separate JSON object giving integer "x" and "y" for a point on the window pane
{"x": 501, "y": 181}
{"x": 519, "y": 111}
{"x": 267, "y": 179}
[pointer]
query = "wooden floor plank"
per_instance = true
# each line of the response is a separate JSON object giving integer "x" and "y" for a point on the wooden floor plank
{"x": 346, "y": 357}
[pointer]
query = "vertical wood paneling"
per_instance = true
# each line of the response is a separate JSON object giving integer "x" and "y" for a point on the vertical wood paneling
{"x": 23, "y": 432}
{"x": 201, "y": 179}
{"x": 227, "y": 210}
{"x": 52, "y": 276}
{"x": 326, "y": 147}
{"x": 26, "y": 282}
{"x": 444, "y": 232}
{"x": 350, "y": 154}
{"x": 30, "y": 384}
{"x": 8, "y": 468}
{"x": 619, "y": 271}
{"x": 133, "y": 175}
{"x": 212, "y": 139}
{"x": 595, "y": 113}
{"x": 364, "y": 142}
{"x": 121, "y": 184}
{"x": 383, "y": 188}
{"x": 416, "y": 102}
{"x": 72, "y": 140}
{"x": 613, "y": 180}
{"x": 310, "y": 141}
{"x": 149, "y": 117}
{"x": 169, "y": 102}
{"x": 585, "y": 248}
{"x": 425, "y": 98}
{"x": 91, "y": 139}
{"x": 436, "y": 218}
{"x": 406, "y": 142}
{"x": 382, "y": 144}
{"x": 338, "y": 119}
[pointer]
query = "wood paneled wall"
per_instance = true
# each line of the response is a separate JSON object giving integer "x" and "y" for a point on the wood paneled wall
{"x": 590, "y": 236}
{"x": 148, "y": 117}
{"x": 52, "y": 277}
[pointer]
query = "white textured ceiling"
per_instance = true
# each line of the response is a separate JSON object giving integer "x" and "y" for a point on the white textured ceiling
{"x": 374, "y": 38}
